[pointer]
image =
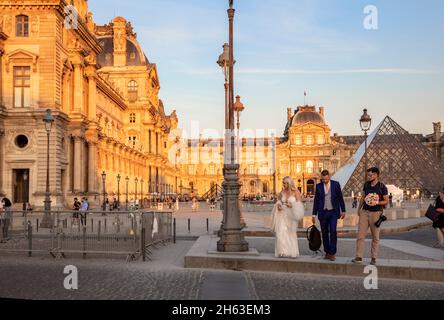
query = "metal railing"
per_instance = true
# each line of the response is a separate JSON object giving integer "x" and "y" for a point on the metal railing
{"x": 75, "y": 232}
{"x": 157, "y": 229}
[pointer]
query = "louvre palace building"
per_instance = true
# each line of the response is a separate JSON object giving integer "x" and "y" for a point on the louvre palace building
{"x": 111, "y": 131}
{"x": 104, "y": 95}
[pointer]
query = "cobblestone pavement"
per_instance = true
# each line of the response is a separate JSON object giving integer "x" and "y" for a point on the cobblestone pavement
{"x": 102, "y": 278}
{"x": 282, "y": 286}
{"x": 164, "y": 278}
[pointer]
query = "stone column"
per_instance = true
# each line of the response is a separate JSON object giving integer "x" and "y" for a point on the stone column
{"x": 92, "y": 93}
{"x": 2, "y": 142}
{"x": 78, "y": 88}
{"x": 92, "y": 167}
{"x": 78, "y": 172}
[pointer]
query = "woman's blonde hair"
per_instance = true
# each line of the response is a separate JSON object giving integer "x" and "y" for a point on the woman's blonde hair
{"x": 291, "y": 183}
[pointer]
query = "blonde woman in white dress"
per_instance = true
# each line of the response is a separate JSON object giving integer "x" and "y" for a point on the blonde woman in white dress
{"x": 286, "y": 214}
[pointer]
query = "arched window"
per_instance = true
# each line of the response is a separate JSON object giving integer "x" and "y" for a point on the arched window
{"x": 321, "y": 139}
{"x": 22, "y": 26}
{"x": 309, "y": 166}
{"x": 133, "y": 88}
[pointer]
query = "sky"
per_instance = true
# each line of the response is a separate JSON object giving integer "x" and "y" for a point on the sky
{"x": 285, "y": 47}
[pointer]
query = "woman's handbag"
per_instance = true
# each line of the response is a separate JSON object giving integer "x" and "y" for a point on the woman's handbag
{"x": 432, "y": 214}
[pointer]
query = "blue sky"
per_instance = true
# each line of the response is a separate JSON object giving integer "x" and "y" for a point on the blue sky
{"x": 283, "y": 47}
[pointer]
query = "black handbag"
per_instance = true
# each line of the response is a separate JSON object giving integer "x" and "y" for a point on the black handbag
{"x": 432, "y": 214}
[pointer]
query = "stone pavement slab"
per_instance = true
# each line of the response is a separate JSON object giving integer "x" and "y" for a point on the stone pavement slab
{"x": 409, "y": 269}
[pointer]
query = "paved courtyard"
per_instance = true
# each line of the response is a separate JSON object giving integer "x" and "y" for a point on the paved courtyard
{"x": 165, "y": 278}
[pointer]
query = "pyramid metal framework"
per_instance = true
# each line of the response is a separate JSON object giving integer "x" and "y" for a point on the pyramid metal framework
{"x": 402, "y": 159}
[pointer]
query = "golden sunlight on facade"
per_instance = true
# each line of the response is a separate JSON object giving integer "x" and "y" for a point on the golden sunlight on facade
{"x": 305, "y": 149}
{"x": 103, "y": 92}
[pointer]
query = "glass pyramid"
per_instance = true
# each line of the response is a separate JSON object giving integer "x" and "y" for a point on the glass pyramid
{"x": 402, "y": 159}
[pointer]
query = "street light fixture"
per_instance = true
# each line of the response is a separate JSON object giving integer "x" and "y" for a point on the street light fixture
{"x": 238, "y": 107}
{"x": 118, "y": 191}
{"x": 104, "y": 190}
{"x": 141, "y": 193}
{"x": 366, "y": 123}
{"x": 47, "y": 222}
{"x": 231, "y": 237}
{"x": 127, "y": 179}
{"x": 135, "y": 193}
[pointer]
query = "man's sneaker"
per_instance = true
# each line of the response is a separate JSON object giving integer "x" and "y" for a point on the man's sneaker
{"x": 332, "y": 258}
{"x": 373, "y": 262}
{"x": 357, "y": 260}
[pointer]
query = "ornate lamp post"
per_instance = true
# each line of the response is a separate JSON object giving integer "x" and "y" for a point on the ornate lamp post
{"x": 273, "y": 141}
{"x": 118, "y": 191}
{"x": 127, "y": 179}
{"x": 47, "y": 221}
{"x": 231, "y": 237}
{"x": 135, "y": 193}
{"x": 104, "y": 190}
{"x": 365, "y": 122}
{"x": 141, "y": 193}
{"x": 238, "y": 107}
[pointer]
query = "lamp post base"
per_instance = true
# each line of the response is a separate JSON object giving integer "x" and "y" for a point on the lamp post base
{"x": 47, "y": 220}
{"x": 231, "y": 237}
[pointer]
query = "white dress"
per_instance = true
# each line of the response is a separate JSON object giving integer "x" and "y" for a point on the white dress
{"x": 284, "y": 224}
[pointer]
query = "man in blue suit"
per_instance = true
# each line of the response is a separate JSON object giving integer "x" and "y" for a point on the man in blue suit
{"x": 329, "y": 206}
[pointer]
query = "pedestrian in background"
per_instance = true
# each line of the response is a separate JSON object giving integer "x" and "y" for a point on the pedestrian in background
{"x": 439, "y": 224}
{"x": 6, "y": 218}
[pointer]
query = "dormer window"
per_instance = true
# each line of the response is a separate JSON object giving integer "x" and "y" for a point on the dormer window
{"x": 133, "y": 88}
{"x": 22, "y": 26}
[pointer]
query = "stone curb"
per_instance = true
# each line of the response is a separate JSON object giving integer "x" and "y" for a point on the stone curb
{"x": 351, "y": 232}
{"x": 199, "y": 258}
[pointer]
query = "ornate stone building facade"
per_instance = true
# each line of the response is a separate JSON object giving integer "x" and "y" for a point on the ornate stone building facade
{"x": 103, "y": 93}
{"x": 435, "y": 141}
{"x": 305, "y": 149}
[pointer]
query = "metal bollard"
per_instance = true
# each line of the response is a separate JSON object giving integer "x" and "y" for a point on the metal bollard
{"x": 84, "y": 242}
{"x": 189, "y": 225}
{"x": 142, "y": 249}
{"x": 100, "y": 229}
{"x": 174, "y": 230}
{"x": 37, "y": 226}
{"x": 92, "y": 225}
{"x": 29, "y": 239}
{"x": 105, "y": 225}
{"x": 208, "y": 225}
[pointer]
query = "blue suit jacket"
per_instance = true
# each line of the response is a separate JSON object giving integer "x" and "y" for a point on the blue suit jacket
{"x": 337, "y": 199}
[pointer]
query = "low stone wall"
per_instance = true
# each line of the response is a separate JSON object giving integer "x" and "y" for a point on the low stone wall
{"x": 352, "y": 219}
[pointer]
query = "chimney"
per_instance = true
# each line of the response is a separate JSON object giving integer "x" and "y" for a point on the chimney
{"x": 321, "y": 111}
{"x": 119, "y": 29}
{"x": 437, "y": 131}
{"x": 289, "y": 113}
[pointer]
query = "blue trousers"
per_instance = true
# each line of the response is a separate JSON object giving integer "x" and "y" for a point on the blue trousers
{"x": 329, "y": 223}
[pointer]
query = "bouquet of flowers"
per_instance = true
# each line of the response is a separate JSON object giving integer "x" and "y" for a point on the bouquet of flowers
{"x": 372, "y": 199}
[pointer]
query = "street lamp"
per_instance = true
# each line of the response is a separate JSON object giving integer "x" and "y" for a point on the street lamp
{"x": 127, "y": 179}
{"x": 104, "y": 190}
{"x": 136, "y": 181}
{"x": 238, "y": 107}
{"x": 223, "y": 62}
{"x": 118, "y": 191}
{"x": 231, "y": 237}
{"x": 366, "y": 123}
{"x": 273, "y": 141}
{"x": 141, "y": 193}
{"x": 47, "y": 221}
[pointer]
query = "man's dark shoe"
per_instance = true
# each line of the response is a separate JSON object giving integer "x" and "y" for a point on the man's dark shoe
{"x": 373, "y": 262}
{"x": 357, "y": 260}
